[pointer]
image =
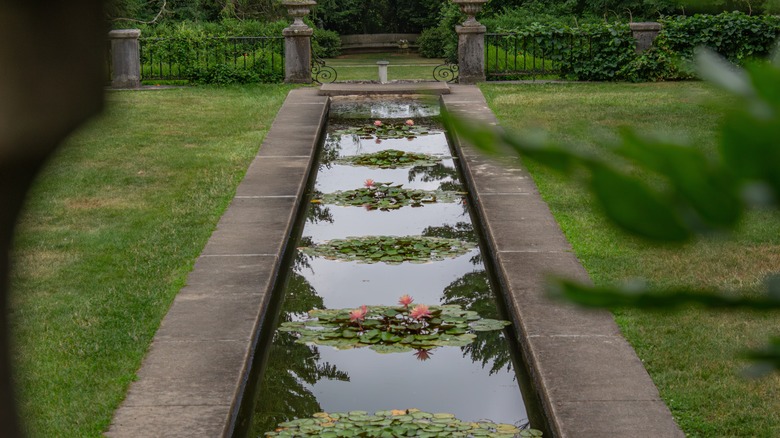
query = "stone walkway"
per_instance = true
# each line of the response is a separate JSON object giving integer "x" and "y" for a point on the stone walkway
{"x": 192, "y": 379}
{"x": 590, "y": 381}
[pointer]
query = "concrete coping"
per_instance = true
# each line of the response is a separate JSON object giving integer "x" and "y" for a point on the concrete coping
{"x": 588, "y": 379}
{"x": 364, "y": 89}
{"x": 124, "y": 33}
{"x": 192, "y": 380}
{"x": 645, "y": 26}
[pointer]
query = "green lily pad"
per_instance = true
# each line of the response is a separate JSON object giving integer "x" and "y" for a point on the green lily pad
{"x": 409, "y": 422}
{"x": 391, "y": 158}
{"x": 391, "y": 329}
{"x": 384, "y": 131}
{"x": 374, "y": 249}
{"x": 387, "y": 196}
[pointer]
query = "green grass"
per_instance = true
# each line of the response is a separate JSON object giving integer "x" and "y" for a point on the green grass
{"x": 110, "y": 232}
{"x": 690, "y": 354}
{"x": 403, "y": 66}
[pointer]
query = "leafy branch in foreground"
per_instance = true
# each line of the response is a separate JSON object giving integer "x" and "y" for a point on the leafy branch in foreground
{"x": 665, "y": 191}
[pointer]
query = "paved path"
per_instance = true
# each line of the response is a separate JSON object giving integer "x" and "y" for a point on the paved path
{"x": 589, "y": 379}
{"x": 192, "y": 379}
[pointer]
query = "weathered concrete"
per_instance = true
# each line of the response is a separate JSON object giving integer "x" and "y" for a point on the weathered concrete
{"x": 376, "y": 42}
{"x": 347, "y": 89}
{"x": 589, "y": 379}
{"x": 191, "y": 381}
{"x": 382, "y": 71}
{"x": 645, "y": 34}
{"x": 297, "y": 58}
{"x": 125, "y": 58}
{"x": 471, "y": 54}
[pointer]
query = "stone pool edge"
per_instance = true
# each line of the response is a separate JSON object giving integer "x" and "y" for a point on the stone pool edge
{"x": 589, "y": 379}
{"x": 193, "y": 375}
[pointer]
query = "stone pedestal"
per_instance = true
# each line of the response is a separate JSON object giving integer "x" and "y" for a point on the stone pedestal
{"x": 471, "y": 54}
{"x": 297, "y": 55}
{"x": 125, "y": 58}
{"x": 382, "y": 67}
{"x": 297, "y": 43}
{"x": 645, "y": 34}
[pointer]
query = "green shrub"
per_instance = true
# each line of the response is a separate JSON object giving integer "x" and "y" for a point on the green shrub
{"x": 326, "y": 43}
{"x": 432, "y": 41}
{"x": 606, "y": 50}
{"x": 736, "y": 36}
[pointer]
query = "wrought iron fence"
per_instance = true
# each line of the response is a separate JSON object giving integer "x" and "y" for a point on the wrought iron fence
{"x": 528, "y": 55}
{"x": 260, "y": 58}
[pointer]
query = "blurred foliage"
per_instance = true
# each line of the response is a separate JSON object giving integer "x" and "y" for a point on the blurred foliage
{"x": 669, "y": 192}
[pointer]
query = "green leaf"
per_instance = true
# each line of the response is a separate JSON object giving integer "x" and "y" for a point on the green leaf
{"x": 709, "y": 188}
{"x": 635, "y": 207}
{"x": 640, "y": 296}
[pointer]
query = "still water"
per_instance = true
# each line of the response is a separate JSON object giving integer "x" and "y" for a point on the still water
{"x": 475, "y": 382}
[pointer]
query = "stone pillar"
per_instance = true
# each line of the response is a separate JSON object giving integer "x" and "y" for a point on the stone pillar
{"x": 382, "y": 67}
{"x": 297, "y": 43}
{"x": 471, "y": 43}
{"x": 125, "y": 58}
{"x": 644, "y": 34}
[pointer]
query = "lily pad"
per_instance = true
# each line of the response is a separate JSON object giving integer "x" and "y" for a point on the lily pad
{"x": 408, "y": 422}
{"x": 374, "y": 249}
{"x": 386, "y": 196}
{"x": 383, "y": 130}
{"x": 390, "y": 159}
{"x": 392, "y": 329}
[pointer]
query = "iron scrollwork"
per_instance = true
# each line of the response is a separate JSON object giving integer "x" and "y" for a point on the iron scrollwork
{"x": 321, "y": 73}
{"x": 446, "y": 72}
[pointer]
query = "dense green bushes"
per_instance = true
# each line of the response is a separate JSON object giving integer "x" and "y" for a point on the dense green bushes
{"x": 209, "y": 53}
{"x": 736, "y": 36}
{"x": 604, "y": 51}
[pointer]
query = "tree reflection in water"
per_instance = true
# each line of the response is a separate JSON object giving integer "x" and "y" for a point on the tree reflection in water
{"x": 292, "y": 368}
{"x": 319, "y": 212}
{"x": 461, "y": 231}
{"x": 473, "y": 292}
{"x": 437, "y": 172}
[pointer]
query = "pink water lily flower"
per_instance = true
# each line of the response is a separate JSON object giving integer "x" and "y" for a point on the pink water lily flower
{"x": 377, "y": 123}
{"x": 420, "y": 311}
{"x": 410, "y": 122}
{"x": 369, "y": 183}
{"x": 405, "y": 300}
{"x": 358, "y": 315}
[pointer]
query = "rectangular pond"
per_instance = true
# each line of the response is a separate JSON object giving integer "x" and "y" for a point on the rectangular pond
{"x": 478, "y": 381}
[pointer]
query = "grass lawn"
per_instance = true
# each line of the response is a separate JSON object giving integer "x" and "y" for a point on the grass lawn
{"x": 403, "y": 66}
{"x": 108, "y": 236}
{"x": 690, "y": 353}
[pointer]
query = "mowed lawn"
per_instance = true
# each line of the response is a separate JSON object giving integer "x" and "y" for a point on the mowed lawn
{"x": 403, "y": 66}
{"x": 110, "y": 232}
{"x": 692, "y": 354}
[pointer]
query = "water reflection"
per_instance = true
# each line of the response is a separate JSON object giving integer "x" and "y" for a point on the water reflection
{"x": 473, "y": 382}
{"x": 437, "y": 172}
{"x": 461, "y": 231}
{"x": 354, "y": 107}
{"x": 292, "y": 368}
{"x": 473, "y": 292}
